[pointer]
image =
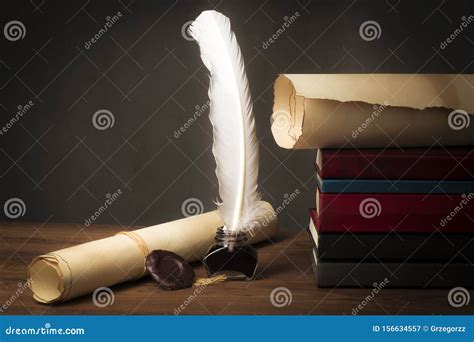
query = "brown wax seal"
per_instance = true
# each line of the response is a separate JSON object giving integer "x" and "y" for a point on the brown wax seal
{"x": 170, "y": 270}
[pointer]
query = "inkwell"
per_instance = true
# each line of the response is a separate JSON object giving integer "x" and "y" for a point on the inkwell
{"x": 231, "y": 256}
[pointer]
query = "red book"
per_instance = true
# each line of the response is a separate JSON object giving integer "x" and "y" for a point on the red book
{"x": 415, "y": 213}
{"x": 414, "y": 163}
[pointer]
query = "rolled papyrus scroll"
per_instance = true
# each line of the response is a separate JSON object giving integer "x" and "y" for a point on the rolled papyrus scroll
{"x": 78, "y": 270}
{"x": 372, "y": 110}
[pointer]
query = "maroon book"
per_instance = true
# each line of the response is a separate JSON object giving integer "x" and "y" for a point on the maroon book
{"x": 415, "y": 213}
{"x": 414, "y": 163}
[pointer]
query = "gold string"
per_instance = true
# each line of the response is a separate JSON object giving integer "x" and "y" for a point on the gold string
{"x": 210, "y": 281}
{"x": 142, "y": 246}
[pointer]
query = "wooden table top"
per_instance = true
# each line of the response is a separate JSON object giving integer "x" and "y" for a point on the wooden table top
{"x": 285, "y": 264}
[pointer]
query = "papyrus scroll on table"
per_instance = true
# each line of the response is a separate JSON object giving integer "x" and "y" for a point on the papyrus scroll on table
{"x": 78, "y": 270}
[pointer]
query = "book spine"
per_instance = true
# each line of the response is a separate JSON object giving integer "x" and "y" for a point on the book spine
{"x": 394, "y": 212}
{"x": 394, "y": 275}
{"x": 360, "y": 165}
{"x": 396, "y": 246}
{"x": 394, "y": 186}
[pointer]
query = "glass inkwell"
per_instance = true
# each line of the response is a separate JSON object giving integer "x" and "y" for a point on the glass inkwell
{"x": 231, "y": 255}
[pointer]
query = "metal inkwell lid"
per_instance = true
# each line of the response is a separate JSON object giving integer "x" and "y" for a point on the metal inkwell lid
{"x": 231, "y": 255}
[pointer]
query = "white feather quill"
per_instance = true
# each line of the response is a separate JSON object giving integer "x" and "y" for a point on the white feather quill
{"x": 235, "y": 145}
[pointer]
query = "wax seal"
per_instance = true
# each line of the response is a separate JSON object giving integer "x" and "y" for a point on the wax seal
{"x": 170, "y": 271}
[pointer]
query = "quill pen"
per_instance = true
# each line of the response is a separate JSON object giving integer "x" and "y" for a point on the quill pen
{"x": 235, "y": 145}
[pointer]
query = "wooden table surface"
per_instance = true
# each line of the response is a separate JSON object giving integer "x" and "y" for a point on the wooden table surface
{"x": 285, "y": 263}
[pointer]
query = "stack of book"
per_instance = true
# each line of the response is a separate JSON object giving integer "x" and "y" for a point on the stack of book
{"x": 401, "y": 217}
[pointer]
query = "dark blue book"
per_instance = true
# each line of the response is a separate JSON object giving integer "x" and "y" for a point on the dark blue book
{"x": 382, "y": 186}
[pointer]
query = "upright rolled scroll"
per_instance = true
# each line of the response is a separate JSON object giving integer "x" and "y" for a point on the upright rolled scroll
{"x": 78, "y": 270}
{"x": 372, "y": 110}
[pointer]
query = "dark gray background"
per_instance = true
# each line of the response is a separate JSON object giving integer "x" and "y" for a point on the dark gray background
{"x": 151, "y": 79}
